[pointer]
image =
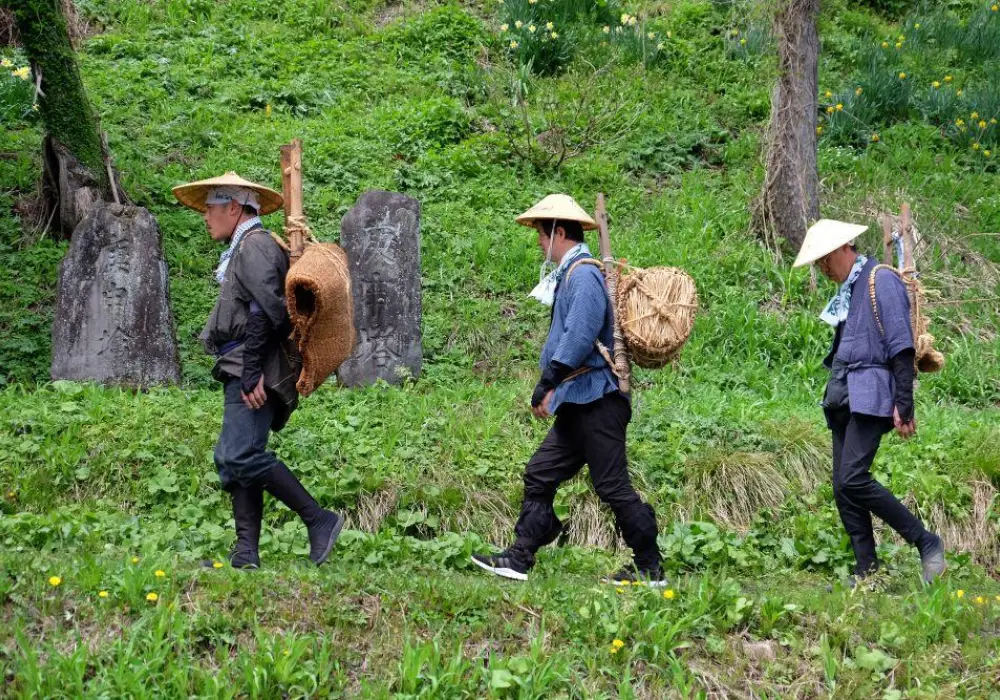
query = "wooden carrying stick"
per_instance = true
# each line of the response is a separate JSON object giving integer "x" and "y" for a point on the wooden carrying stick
{"x": 621, "y": 367}
{"x": 291, "y": 183}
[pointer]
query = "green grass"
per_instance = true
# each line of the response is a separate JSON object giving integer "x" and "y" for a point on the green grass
{"x": 729, "y": 444}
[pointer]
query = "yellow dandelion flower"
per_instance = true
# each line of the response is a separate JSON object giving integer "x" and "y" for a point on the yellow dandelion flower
{"x": 159, "y": 573}
{"x": 54, "y": 581}
{"x": 620, "y": 590}
{"x": 994, "y": 8}
{"x": 267, "y": 110}
{"x": 624, "y": 18}
{"x": 840, "y": 107}
{"x": 901, "y": 38}
{"x": 514, "y": 44}
{"x": 288, "y": 652}
{"x": 669, "y": 594}
{"x": 819, "y": 130}
{"x": 899, "y": 45}
{"x": 980, "y": 600}
{"x": 659, "y": 47}
{"x": 6, "y": 63}
{"x": 152, "y": 597}
{"x": 935, "y": 84}
{"x": 549, "y": 26}
{"x": 947, "y": 78}
{"x": 613, "y": 649}
{"x": 982, "y": 124}
{"x": 828, "y": 94}
{"x": 958, "y": 92}
{"x": 22, "y": 73}
{"x": 993, "y": 120}
{"x": 532, "y": 2}
{"x": 518, "y": 24}
{"x": 504, "y": 27}
{"x": 102, "y": 594}
{"x": 734, "y": 32}
{"x": 829, "y": 110}
{"x": 743, "y": 42}
{"x": 670, "y": 35}
{"x": 632, "y": 20}
{"x": 554, "y": 35}
{"x": 959, "y": 122}
{"x": 974, "y": 115}
{"x": 917, "y": 25}
{"x": 975, "y": 147}
{"x": 625, "y": 583}
{"x": 135, "y": 560}
{"x": 216, "y": 564}
{"x": 651, "y": 36}
{"x": 959, "y": 593}
{"x": 532, "y": 28}
{"x": 618, "y": 644}
{"x": 885, "y": 44}
{"x": 997, "y": 598}
{"x": 606, "y": 30}
{"x": 858, "y": 91}
{"x": 875, "y": 138}
{"x": 987, "y": 153}
{"x": 902, "y": 76}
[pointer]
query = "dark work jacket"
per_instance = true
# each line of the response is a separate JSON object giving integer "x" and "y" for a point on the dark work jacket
{"x": 256, "y": 272}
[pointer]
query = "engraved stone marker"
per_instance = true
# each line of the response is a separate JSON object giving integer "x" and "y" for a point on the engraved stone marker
{"x": 113, "y": 321}
{"x": 381, "y": 235}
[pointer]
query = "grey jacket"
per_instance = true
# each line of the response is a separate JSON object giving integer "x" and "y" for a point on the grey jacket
{"x": 256, "y": 273}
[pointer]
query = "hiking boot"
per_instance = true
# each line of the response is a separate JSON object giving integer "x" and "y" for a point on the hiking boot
{"x": 932, "y": 560}
{"x": 248, "y": 509}
{"x": 508, "y": 564}
{"x": 634, "y": 576}
{"x": 323, "y": 533}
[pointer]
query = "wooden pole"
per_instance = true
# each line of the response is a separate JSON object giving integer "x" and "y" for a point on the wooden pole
{"x": 906, "y": 231}
{"x": 291, "y": 183}
{"x": 622, "y": 367}
{"x": 886, "y": 239}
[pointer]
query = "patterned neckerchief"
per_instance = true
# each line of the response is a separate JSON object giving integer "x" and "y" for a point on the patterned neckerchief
{"x": 837, "y": 308}
{"x": 238, "y": 234}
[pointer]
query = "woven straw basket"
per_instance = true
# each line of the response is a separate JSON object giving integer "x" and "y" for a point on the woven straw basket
{"x": 318, "y": 294}
{"x": 656, "y": 309}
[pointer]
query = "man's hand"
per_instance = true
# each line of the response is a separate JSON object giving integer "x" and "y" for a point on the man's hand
{"x": 904, "y": 430}
{"x": 256, "y": 398}
{"x": 541, "y": 411}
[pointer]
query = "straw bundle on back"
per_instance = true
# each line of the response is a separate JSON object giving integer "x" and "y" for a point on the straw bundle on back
{"x": 318, "y": 295}
{"x": 656, "y": 308}
{"x": 317, "y": 288}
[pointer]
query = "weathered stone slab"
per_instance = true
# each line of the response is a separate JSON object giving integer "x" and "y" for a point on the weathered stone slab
{"x": 112, "y": 321}
{"x": 381, "y": 235}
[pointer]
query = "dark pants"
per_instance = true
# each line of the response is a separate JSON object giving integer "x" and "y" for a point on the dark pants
{"x": 241, "y": 454}
{"x": 856, "y": 439}
{"x": 592, "y": 434}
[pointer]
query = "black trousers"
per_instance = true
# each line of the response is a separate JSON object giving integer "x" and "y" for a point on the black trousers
{"x": 856, "y": 439}
{"x": 592, "y": 434}
{"x": 241, "y": 454}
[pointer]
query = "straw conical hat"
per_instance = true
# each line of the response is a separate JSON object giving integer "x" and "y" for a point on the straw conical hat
{"x": 557, "y": 206}
{"x": 193, "y": 194}
{"x": 825, "y": 236}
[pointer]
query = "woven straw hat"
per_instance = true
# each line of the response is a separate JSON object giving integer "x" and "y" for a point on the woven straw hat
{"x": 193, "y": 194}
{"x": 557, "y": 206}
{"x": 825, "y": 236}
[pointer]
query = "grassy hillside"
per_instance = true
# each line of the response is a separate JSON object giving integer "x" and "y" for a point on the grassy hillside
{"x": 102, "y": 487}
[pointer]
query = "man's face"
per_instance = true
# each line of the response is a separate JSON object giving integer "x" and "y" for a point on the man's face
{"x": 543, "y": 237}
{"x": 220, "y": 220}
{"x": 836, "y": 266}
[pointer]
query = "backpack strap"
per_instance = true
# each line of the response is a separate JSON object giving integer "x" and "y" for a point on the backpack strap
{"x": 584, "y": 261}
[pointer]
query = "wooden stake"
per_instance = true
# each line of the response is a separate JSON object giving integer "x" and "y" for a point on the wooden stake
{"x": 906, "y": 231}
{"x": 622, "y": 368}
{"x": 291, "y": 182}
{"x": 886, "y": 239}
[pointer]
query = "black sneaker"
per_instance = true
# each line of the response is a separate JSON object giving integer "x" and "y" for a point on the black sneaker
{"x": 237, "y": 560}
{"x": 506, "y": 564}
{"x": 631, "y": 576}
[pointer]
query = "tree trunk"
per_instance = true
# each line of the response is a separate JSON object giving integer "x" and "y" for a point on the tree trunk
{"x": 789, "y": 202}
{"x": 75, "y": 156}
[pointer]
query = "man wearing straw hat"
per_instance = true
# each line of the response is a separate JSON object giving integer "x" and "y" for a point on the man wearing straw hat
{"x": 578, "y": 387}
{"x": 870, "y": 390}
{"x": 248, "y": 333}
